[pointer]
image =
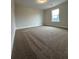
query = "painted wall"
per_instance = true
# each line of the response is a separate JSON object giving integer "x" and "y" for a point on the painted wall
{"x": 63, "y": 16}
{"x": 13, "y": 28}
{"x": 27, "y": 17}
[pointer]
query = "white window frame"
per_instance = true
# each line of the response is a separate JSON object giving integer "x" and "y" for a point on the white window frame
{"x": 55, "y": 14}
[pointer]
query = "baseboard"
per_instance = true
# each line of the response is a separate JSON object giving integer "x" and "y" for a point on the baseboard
{"x": 63, "y": 27}
{"x": 17, "y": 28}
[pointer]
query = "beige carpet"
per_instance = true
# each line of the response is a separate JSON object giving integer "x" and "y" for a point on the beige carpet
{"x": 41, "y": 43}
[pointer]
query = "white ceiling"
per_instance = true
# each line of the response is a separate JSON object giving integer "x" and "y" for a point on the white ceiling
{"x": 33, "y": 4}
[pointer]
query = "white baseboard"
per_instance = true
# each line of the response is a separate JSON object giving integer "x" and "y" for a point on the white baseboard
{"x": 26, "y": 27}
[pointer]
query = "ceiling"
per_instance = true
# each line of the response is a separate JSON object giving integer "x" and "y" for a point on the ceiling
{"x": 34, "y": 4}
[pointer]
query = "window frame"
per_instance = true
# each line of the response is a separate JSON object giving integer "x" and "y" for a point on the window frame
{"x": 53, "y": 16}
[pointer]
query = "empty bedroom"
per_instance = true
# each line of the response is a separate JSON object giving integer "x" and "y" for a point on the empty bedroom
{"x": 39, "y": 29}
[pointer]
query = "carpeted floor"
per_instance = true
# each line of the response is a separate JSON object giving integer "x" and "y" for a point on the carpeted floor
{"x": 41, "y": 43}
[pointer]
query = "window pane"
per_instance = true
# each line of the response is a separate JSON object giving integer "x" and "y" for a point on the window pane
{"x": 55, "y": 15}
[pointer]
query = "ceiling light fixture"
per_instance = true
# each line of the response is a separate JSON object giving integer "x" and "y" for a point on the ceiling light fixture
{"x": 42, "y": 1}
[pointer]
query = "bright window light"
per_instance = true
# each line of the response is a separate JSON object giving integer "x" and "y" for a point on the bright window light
{"x": 55, "y": 15}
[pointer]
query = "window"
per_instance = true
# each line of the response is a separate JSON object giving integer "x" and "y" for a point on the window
{"x": 55, "y": 15}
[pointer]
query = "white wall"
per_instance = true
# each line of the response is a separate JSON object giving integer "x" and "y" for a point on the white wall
{"x": 27, "y": 17}
{"x": 63, "y": 16}
{"x": 13, "y": 28}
